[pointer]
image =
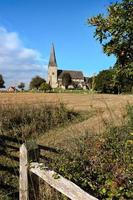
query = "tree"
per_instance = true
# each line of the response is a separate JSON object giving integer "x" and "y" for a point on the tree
{"x": 45, "y": 87}
{"x": 36, "y": 82}
{"x": 124, "y": 78}
{"x": 66, "y": 80}
{"x": 115, "y": 33}
{"x": 104, "y": 81}
{"x": 91, "y": 83}
{"x": 1, "y": 81}
{"x": 21, "y": 86}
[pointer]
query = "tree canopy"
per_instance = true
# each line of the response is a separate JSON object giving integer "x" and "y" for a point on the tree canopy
{"x": 104, "y": 80}
{"x": 115, "y": 30}
{"x": 1, "y": 81}
{"x": 36, "y": 82}
{"x": 115, "y": 33}
{"x": 45, "y": 87}
{"x": 21, "y": 86}
{"x": 66, "y": 80}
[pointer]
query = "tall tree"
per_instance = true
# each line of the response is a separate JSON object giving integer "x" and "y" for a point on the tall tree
{"x": 21, "y": 86}
{"x": 1, "y": 81}
{"x": 115, "y": 33}
{"x": 36, "y": 82}
{"x": 104, "y": 80}
{"x": 66, "y": 80}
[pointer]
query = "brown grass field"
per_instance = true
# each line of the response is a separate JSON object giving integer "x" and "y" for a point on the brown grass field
{"x": 101, "y": 110}
{"x": 75, "y": 101}
{"x": 108, "y": 107}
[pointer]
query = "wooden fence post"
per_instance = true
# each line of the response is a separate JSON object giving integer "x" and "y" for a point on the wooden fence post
{"x": 28, "y": 182}
{"x": 23, "y": 174}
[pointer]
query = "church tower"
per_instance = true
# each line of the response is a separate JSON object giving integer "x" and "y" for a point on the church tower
{"x": 52, "y": 69}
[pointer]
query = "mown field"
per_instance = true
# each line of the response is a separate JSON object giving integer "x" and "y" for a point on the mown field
{"x": 87, "y": 135}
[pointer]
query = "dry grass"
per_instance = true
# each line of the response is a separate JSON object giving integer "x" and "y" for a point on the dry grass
{"x": 76, "y": 101}
{"x": 108, "y": 107}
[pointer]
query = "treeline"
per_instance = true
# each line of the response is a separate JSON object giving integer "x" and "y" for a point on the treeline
{"x": 36, "y": 83}
{"x": 111, "y": 81}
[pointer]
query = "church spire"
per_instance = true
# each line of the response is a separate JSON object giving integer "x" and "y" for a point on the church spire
{"x": 52, "y": 60}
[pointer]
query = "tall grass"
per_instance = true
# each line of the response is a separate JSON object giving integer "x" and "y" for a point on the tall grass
{"x": 17, "y": 124}
{"x": 101, "y": 164}
{"x": 30, "y": 121}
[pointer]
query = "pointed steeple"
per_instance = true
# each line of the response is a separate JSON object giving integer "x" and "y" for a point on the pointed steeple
{"x": 52, "y": 60}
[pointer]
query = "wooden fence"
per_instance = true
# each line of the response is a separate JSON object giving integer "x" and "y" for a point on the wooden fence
{"x": 31, "y": 170}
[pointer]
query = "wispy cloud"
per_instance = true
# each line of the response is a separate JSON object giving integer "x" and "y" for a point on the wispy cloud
{"x": 18, "y": 63}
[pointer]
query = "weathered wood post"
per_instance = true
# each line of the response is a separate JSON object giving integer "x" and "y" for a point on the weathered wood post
{"x": 28, "y": 182}
{"x": 23, "y": 174}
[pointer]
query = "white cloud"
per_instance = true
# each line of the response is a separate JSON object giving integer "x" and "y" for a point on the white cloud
{"x": 18, "y": 63}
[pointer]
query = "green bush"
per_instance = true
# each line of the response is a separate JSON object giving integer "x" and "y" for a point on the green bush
{"x": 45, "y": 87}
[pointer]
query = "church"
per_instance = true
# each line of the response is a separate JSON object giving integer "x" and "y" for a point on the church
{"x": 55, "y": 75}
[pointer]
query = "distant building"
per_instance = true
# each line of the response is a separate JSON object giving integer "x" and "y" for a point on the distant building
{"x": 55, "y": 75}
{"x": 12, "y": 89}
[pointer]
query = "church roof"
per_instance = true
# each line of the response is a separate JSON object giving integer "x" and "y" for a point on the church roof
{"x": 73, "y": 74}
{"x": 52, "y": 60}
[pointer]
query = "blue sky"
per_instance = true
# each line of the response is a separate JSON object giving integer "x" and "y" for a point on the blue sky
{"x": 28, "y": 27}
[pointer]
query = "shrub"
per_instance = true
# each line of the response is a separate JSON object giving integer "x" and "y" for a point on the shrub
{"x": 101, "y": 164}
{"x": 45, "y": 87}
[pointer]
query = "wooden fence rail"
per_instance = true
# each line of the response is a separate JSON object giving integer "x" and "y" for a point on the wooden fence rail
{"x": 31, "y": 170}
